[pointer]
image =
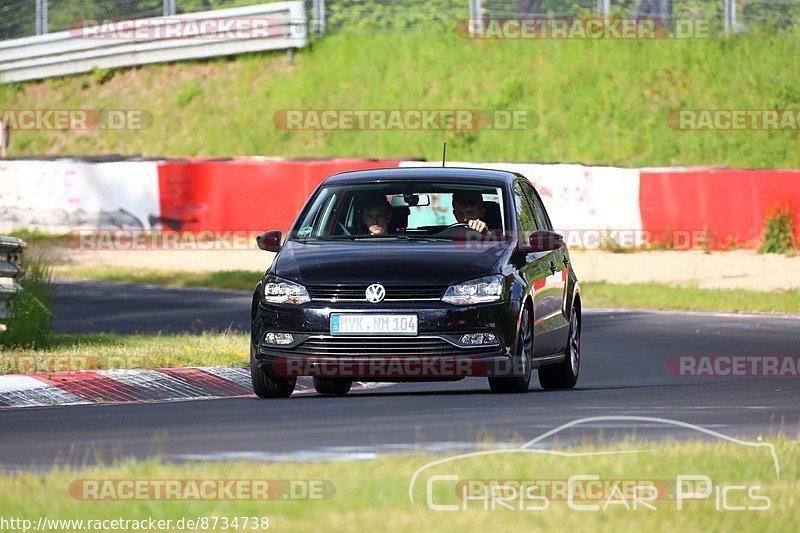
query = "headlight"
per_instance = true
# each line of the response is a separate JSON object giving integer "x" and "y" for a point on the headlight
{"x": 283, "y": 291}
{"x": 476, "y": 291}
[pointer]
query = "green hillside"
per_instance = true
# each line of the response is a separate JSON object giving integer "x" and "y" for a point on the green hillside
{"x": 598, "y": 102}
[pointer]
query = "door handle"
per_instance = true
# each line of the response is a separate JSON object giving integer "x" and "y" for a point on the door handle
{"x": 552, "y": 267}
{"x": 566, "y": 261}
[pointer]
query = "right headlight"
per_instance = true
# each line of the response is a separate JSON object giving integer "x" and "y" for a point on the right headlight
{"x": 282, "y": 291}
{"x": 476, "y": 291}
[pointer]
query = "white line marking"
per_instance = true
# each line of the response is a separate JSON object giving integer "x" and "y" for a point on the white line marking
{"x": 19, "y": 383}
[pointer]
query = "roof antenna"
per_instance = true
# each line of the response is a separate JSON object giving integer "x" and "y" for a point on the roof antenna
{"x": 444, "y": 154}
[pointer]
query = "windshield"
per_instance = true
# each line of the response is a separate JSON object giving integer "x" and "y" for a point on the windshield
{"x": 401, "y": 210}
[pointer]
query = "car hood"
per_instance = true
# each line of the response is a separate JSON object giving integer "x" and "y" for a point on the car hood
{"x": 389, "y": 262}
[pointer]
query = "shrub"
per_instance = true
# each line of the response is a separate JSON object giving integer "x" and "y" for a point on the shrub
{"x": 30, "y": 323}
{"x": 778, "y": 235}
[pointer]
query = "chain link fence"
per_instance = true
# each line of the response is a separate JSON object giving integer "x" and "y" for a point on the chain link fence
{"x": 733, "y": 15}
{"x": 386, "y": 14}
{"x": 22, "y": 18}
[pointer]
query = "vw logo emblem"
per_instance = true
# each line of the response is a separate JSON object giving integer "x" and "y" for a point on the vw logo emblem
{"x": 375, "y": 293}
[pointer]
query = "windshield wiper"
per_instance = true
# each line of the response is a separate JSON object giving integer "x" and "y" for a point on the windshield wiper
{"x": 399, "y": 237}
{"x": 327, "y": 238}
{"x": 423, "y": 238}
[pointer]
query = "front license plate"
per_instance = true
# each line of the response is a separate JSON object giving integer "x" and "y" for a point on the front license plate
{"x": 363, "y": 324}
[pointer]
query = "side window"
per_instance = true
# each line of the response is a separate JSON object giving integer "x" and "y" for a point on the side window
{"x": 539, "y": 214}
{"x": 326, "y": 221}
{"x": 525, "y": 218}
{"x": 313, "y": 223}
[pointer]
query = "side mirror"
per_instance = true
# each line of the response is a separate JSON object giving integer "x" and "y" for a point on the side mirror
{"x": 541, "y": 241}
{"x": 269, "y": 241}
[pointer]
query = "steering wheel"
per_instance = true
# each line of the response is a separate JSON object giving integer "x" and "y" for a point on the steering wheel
{"x": 451, "y": 229}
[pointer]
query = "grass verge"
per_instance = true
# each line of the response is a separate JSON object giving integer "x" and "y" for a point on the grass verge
{"x": 688, "y": 298}
{"x": 95, "y": 351}
{"x": 243, "y": 280}
{"x": 596, "y": 294}
{"x": 373, "y": 495}
{"x": 225, "y": 106}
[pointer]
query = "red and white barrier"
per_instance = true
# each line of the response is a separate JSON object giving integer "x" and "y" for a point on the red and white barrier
{"x": 69, "y": 194}
{"x": 244, "y": 194}
{"x": 729, "y": 206}
{"x": 732, "y": 205}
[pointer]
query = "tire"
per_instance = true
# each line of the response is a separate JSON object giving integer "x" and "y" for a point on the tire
{"x": 332, "y": 387}
{"x": 564, "y": 375}
{"x": 266, "y": 386}
{"x": 522, "y": 360}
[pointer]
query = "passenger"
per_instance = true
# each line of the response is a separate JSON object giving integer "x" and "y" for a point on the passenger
{"x": 376, "y": 213}
{"x": 468, "y": 208}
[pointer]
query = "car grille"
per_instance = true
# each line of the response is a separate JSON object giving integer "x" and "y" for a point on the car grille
{"x": 380, "y": 346}
{"x": 333, "y": 293}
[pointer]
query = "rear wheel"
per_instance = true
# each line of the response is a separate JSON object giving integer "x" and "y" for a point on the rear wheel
{"x": 564, "y": 375}
{"x": 521, "y": 361}
{"x": 333, "y": 387}
{"x": 266, "y": 386}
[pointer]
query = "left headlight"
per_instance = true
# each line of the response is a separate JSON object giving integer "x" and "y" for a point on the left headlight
{"x": 476, "y": 291}
{"x": 283, "y": 291}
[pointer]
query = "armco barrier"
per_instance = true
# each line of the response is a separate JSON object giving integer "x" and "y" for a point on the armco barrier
{"x": 181, "y": 37}
{"x": 11, "y": 250}
{"x": 731, "y": 204}
{"x": 254, "y": 194}
{"x": 243, "y": 194}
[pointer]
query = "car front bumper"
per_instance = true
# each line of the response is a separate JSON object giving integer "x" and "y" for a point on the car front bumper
{"x": 435, "y": 353}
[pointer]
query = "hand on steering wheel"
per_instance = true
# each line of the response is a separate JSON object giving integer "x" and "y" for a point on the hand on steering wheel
{"x": 452, "y": 229}
{"x": 457, "y": 224}
{"x": 475, "y": 225}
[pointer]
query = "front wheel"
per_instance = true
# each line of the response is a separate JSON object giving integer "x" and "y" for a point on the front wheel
{"x": 267, "y": 386}
{"x": 564, "y": 375}
{"x": 521, "y": 361}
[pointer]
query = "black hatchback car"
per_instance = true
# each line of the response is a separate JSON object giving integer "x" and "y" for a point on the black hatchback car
{"x": 412, "y": 274}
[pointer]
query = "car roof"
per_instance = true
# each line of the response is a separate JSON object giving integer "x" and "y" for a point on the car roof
{"x": 456, "y": 174}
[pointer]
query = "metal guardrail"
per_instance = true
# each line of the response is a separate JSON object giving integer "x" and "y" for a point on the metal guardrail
{"x": 62, "y": 53}
{"x": 11, "y": 250}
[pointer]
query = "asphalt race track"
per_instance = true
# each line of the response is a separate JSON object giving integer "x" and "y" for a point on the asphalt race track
{"x": 624, "y": 372}
{"x": 133, "y": 307}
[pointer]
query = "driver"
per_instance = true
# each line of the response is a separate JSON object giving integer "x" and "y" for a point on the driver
{"x": 468, "y": 208}
{"x": 376, "y": 213}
